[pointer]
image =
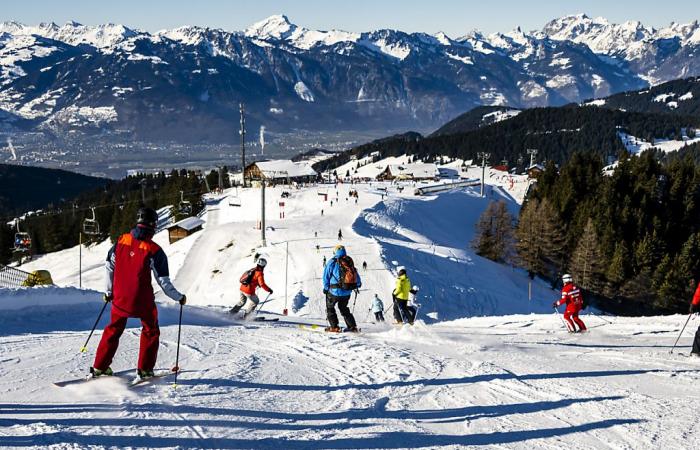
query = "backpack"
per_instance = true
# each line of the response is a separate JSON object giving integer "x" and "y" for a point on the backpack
{"x": 247, "y": 276}
{"x": 347, "y": 274}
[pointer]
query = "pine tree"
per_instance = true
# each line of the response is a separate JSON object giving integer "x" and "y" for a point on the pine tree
{"x": 494, "y": 233}
{"x": 587, "y": 262}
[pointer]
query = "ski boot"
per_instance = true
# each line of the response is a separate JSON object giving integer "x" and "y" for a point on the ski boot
{"x": 694, "y": 355}
{"x": 351, "y": 330}
{"x": 144, "y": 374}
{"x": 332, "y": 329}
{"x": 235, "y": 309}
{"x": 98, "y": 373}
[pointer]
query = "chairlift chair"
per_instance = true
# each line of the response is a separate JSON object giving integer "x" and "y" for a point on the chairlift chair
{"x": 23, "y": 241}
{"x": 90, "y": 225}
{"x": 185, "y": 207}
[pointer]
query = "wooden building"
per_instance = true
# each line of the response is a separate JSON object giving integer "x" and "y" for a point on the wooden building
{"x": 184, "y": 228}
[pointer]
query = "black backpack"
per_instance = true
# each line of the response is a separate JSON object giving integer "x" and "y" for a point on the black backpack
{"x": 247, "y": 276}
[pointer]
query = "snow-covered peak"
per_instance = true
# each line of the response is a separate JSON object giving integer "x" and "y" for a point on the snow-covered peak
{"x": 188, "y": 35}
{"x": 73, "y": 33}
{"x": 277, "y": 27}
{"x": 598, "y": 34}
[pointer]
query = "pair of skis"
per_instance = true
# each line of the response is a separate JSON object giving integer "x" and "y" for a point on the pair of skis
{"x": 122, "y": 375}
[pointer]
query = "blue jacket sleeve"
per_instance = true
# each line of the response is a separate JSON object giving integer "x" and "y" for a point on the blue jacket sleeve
{"x": 159, "y": 266}
{"x": 327, "y": 272}
{"x": 109, "y": 268}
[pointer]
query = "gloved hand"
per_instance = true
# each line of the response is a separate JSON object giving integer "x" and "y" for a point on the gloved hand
{"x": 555, "y": 304}
{"x": 694, "y": 308}
{"x": 271, "y": 291}
{"x": 107, "y": 298}
{"x": 325, "y": 292}
{"x": 183, "y": 300}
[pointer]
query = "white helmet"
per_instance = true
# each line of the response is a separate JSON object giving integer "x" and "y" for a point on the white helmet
{"x": 416, "y": 288}
{"x": 567, "y": 278}
{"x": 262, "y": 262}
{"x": 400, "y": 268}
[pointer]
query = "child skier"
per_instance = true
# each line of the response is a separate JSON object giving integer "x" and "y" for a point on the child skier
{"x": 250, "y": 281}
{"x": 378, "y": 308}
{"x": 571, "y": 296}
{"x": 129, "y": 265}
{"x": 413, "y": 304}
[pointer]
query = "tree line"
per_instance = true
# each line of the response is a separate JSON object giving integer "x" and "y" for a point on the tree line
{"x": 630, "y": 238}
{"x": 59, "y": 226}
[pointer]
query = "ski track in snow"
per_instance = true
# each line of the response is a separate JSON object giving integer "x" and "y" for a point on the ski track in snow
{"x": 516, "y": 381}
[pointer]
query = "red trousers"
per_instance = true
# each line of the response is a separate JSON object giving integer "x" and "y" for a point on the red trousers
{"x": 571, "y": 317}
{"x": 150, "y": 333}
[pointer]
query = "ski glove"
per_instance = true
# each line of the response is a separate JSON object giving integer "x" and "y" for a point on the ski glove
{"x": 107, "y": 298}
{"x": 694, "y": 308}
{"x": 270, "y": 291}
{"x": 554, "y": 305}
{"x": 183, "y": 300}
{"x": 325, "y": 292}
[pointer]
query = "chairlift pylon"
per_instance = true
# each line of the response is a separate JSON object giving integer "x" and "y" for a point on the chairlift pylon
{"x": 90, "y": 225}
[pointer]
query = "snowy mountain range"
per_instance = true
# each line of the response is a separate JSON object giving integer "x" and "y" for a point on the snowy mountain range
{"x": 186, "y": 84}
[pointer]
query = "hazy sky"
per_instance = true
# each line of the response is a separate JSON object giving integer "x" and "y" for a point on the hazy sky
{"x": 451, "y": 16}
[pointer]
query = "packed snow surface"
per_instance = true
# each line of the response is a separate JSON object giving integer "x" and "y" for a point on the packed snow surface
{"x": 483, "y": 366}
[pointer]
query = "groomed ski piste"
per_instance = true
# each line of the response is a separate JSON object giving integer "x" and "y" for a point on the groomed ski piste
{"x": 482, "y": 367}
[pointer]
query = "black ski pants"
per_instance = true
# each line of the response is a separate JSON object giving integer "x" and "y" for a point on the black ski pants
{"x": 379, "y": 316}
{"x": 696, "y": 342}
{"x": 342, "y": 302}
{"x": 401, "y": 311}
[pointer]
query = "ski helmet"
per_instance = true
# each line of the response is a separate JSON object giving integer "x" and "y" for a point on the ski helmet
{"x": 262, "y": 262}
{"x": 147, "y": 217}
{"x": 416, "y": 288}
{"x": 566, "y": 278}
{"x": 338, "y": 247}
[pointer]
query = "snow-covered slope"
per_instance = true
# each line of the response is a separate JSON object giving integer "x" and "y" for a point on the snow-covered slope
{"x": 515, "y": 381}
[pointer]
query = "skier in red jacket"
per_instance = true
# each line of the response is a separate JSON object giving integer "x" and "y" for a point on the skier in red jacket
{"x": 694, "y": 308}
{"x": 129, "y": 265}
{"x": 571, "y": 296}
{"x": 249, "y": 297}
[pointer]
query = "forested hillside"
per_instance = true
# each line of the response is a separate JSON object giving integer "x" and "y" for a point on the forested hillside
{"x": 556, "y": 132}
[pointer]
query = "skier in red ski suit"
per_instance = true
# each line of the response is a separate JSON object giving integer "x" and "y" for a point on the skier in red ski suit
{"x": 571, "y": 296}
{"x": 129, "y": 265}
{"x": 695, "y": 308}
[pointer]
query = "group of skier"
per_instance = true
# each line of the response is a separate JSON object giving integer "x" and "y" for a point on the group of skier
{"x": 131, "y": 261}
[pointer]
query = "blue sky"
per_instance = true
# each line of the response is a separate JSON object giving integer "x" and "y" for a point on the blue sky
{"x": 451, "y": 16}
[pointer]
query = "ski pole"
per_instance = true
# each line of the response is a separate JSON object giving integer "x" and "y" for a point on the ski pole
{"x": 176, "y": 369}
{"x": 562, "y": 319}
{"x": 354, "y": 301}
{"x": 263, "y": 302}
{"x": 681, "y": 334}
{"x": 601, "y": 318}
{"x": 83, "y": 349}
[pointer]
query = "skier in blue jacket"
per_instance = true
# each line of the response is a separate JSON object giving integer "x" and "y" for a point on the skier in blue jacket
{"x": 378, "y": 308}
{"x": 338, "y": 289}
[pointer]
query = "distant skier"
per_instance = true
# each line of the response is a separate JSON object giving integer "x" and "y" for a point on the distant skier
{"x": 324, "y": 261}
{"x": 694, "y": 308}
{"x": 572, "y": 297}
{"x": 364, "y": 265}
{"x": 250, "y": 281}
{"x": 340, "y": 235}
{"x": 378, "y": 308}
{"x": 321, "y": 212}
{"x": 400, "y": 296}
{"x": 340, "y": 278}
{"x": 129, "y": 265}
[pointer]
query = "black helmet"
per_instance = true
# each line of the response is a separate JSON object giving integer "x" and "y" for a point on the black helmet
{"x": 147, "y": 217}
